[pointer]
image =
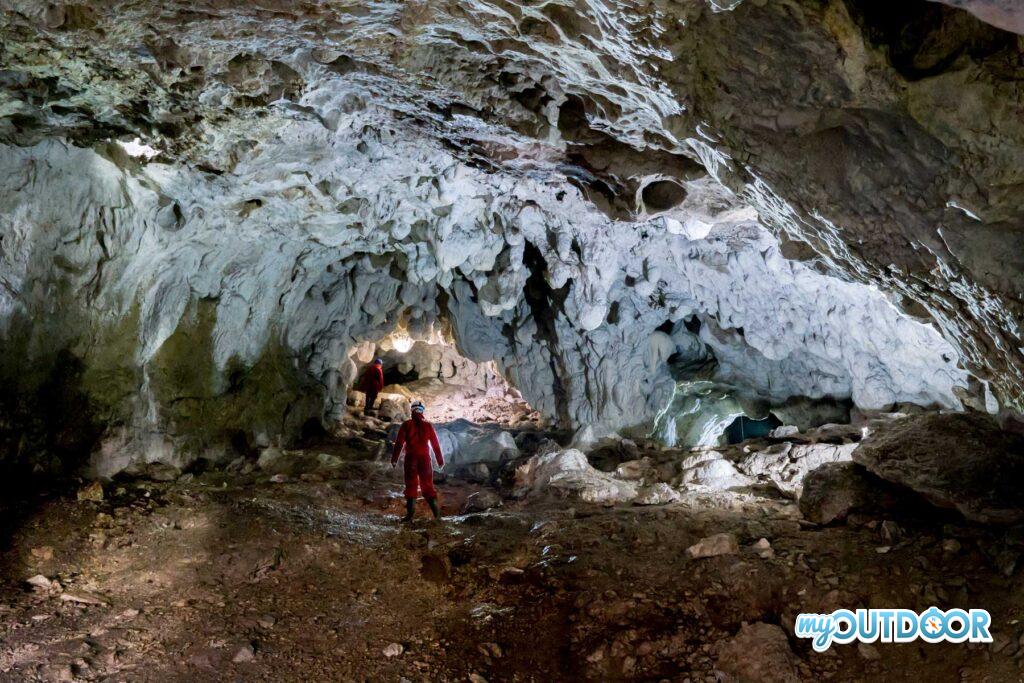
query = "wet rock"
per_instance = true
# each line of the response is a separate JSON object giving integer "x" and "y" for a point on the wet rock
{"x": 480, "y": 501}
{"x": 711, "y": 546}
{"x": 658, "y": 494}
{"x": 785, "y": 431}
{"x": 568, "y": 473}
{"x": 759, "y": 653}
{"x": 393, "y": 650}
{"x": 91, "y": 492}
{"x": 960, "y": 461}
{"x": 834, "y": 490}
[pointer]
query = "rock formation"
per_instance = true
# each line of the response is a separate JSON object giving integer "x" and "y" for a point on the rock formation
{"x": 205, "y": 208}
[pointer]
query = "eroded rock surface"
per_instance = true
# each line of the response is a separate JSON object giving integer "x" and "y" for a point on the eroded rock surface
{"x": 959, "y": 461}
{"x": 202, "y": 216}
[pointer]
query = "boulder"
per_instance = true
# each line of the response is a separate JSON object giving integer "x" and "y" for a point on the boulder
{"x": 719, "y": 544}
{"x": 960, "y": 461}
{"x": 478, "y": 473}
{"x": 156, "y": 471}
{"x": 464, "y": 442}
{"x": 784, "y": 432}
{"x": 759, "y": 653}
{"x": 394, "y": 408}
{"x": 568, "y": 473}
{"x": 786, "y": 464}
{"x": 834, "y": 490}
{"x": 480, "y": 501}
{"x": 275, "y": 461}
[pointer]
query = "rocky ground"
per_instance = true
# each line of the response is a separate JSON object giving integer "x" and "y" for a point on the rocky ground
{"x": 240, "y": 574}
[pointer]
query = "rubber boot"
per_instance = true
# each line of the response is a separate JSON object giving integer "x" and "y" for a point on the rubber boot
{"x": 410, "y": 507}
{"x": 432, "y": 502}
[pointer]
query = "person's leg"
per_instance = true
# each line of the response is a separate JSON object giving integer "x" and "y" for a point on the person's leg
{"x": 426, "y": 477}
{"x": 411, "y": 486}
{"x": 371, "y": 398}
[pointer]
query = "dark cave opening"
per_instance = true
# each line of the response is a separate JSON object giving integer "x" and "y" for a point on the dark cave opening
{"x": 743, "y": 428}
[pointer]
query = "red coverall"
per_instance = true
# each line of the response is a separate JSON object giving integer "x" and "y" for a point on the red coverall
{"x": 415, "y": 436}
{"x": 371, "y": 384}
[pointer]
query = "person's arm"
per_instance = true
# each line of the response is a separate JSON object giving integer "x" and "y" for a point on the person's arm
{"x": 399, "y": 444}
{"x": 380, "y": 378}
{"x": 432, "y": 435}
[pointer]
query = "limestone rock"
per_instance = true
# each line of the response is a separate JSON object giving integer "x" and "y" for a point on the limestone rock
{"x": 785, "y": 465}
{"x": 394, "y": 408}
{"x": 569, "y": 473}
{"x": 656, "y": 494}
{"x": 481, "y": 501}
{"x": 712, "y": 546}
{"x": 959, "y": 461}
{"x": 834, "y": 490}
{"x": 156, "y": 471}
{"x": 715, "y": 473}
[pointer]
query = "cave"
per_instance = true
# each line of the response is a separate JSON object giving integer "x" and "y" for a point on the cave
{"x": 698, "y": 326}
{"x": 743, "y": 428}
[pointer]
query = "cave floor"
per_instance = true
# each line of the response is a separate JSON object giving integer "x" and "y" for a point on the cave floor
{"x": 233, "y": 577}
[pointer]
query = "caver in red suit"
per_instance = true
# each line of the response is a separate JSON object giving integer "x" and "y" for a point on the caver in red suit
{"x": 417, "y": 437}
{"x": 371, "y": 383}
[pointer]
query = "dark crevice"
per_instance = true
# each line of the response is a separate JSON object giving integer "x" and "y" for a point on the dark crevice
{"x": 923, "y": 38}
{"x": 545, "y": 303}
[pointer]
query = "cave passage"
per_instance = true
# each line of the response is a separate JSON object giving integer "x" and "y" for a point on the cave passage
{"x": 712, "y": 307}
{"x": 451, "y": 386}
{"x": 743, "y": 428}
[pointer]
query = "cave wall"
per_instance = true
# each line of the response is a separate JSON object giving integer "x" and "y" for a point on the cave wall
{"x": 566, "y": 188}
